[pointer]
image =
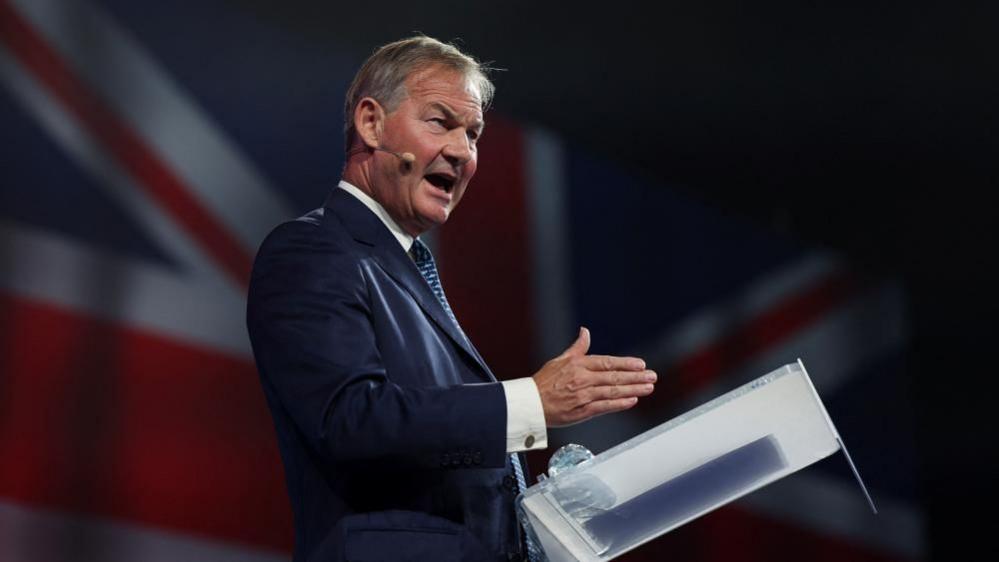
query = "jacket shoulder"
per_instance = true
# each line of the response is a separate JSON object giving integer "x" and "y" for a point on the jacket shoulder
{"x": 307, "y": 250}
{"x": 318, "y": 231}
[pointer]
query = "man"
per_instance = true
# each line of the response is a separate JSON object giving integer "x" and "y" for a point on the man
{"x": 396, "y": 438}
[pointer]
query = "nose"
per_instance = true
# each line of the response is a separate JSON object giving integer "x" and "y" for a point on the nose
{"x": 459, "y": 149}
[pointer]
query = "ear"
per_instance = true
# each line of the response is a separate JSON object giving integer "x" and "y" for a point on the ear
{"x": 369, "y": 121}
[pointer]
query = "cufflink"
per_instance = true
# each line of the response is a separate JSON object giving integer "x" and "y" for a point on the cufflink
{"x": 529, "y": 442}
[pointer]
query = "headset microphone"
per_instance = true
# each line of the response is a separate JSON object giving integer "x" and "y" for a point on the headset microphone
{"x": 406, "y": 157}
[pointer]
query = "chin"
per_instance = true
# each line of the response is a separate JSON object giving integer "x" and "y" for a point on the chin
{"x": 439, "y": 218}
{"x": 435, "y": 214}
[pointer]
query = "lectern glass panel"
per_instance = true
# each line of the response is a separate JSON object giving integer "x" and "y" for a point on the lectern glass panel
{"x": 682, "y": 469}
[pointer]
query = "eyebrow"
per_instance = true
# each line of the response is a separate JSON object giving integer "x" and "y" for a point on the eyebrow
{"x": 479, "y": 126}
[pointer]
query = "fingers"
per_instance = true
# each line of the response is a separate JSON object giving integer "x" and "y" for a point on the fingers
{"x": 614, "y": 378}
{"x": 611, "y": 363}
{"x": 601, "y": 407}
{"x": 587, "y": 379}
{"x": 575, "y": 386}
{"x": 599, "y": 393}
{"x": 580, "y": 346}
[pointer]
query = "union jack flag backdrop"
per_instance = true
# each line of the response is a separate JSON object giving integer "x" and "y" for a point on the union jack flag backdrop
{"x": 149, "y": 147}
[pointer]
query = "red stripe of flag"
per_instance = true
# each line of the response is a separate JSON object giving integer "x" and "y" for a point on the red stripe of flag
{"x": 764, "y": 331}
{"x": 131, "y": 152}
{"x": 101, "y": 420}
{"x": 485, "y": 255}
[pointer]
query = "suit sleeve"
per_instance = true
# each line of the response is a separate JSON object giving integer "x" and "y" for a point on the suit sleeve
{"x": 310, "y": 327}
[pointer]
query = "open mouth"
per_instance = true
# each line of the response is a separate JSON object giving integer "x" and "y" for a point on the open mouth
{"x": 443, "y": 182}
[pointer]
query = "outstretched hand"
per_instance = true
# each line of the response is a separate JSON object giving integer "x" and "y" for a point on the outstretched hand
{"x": 575, "y": 387}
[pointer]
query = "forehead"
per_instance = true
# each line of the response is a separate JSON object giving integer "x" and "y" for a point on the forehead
{"x": 446, "y": 86}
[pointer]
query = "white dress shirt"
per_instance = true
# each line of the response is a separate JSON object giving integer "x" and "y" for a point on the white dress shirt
{"x": 525, "y": 417}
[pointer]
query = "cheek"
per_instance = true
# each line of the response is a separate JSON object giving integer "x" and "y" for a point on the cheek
{"x": 424, "y": 145}
{"x": 470, "y": 168}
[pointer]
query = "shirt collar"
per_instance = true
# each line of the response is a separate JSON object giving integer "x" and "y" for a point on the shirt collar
{"x": 404, "y": 239}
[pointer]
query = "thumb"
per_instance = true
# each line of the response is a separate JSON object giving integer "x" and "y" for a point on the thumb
{"x": 580, "y": 346}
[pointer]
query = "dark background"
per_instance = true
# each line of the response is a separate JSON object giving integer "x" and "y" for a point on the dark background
{"x": 868, "y": 128}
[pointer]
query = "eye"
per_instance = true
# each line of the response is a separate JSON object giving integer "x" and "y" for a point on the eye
{"x": 439, "y": 121}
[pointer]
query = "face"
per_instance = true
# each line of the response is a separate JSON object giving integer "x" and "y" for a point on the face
{"x": 439, "y": 123}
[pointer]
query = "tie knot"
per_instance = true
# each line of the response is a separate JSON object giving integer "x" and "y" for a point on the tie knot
{"x": 421, "y": 253}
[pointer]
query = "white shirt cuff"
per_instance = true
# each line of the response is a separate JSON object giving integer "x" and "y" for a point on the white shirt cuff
{"x": 525, "y": 416}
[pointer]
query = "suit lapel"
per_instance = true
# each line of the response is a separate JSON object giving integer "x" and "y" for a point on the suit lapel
{"x": 368, "y": 229}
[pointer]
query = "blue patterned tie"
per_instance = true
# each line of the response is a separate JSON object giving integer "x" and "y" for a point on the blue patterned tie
{"x": 428, "y": 269}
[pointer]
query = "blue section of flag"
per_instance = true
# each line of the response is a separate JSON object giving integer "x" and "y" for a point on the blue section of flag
{"x": 644, "y": 257}
{"x": 874, "y": 415}
{"x": 46, "y": 190}
{"x": 278, "y": 97}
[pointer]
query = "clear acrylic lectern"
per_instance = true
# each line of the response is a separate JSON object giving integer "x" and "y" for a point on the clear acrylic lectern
{"x": 682, "y": 469}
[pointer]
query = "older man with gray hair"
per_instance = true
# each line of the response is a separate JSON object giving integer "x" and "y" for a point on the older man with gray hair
{"x": 398, "y": 441}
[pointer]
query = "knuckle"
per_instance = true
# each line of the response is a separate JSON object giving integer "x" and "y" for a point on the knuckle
{"x": 572, "y": 383}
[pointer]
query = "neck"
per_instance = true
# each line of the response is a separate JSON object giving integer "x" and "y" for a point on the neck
{"x": 357, "y": 171}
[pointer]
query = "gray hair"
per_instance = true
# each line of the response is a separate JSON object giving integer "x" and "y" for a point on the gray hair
{"x": 383, "y": 76}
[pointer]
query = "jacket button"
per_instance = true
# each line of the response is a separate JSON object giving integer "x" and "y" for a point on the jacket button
{"x": 445, "y": 459}
{"x": 477, "y": 457}
{"x": 467, "y": 459}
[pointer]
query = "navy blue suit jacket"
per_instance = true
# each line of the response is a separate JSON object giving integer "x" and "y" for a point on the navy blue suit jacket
{"x": 391, "y": 426}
